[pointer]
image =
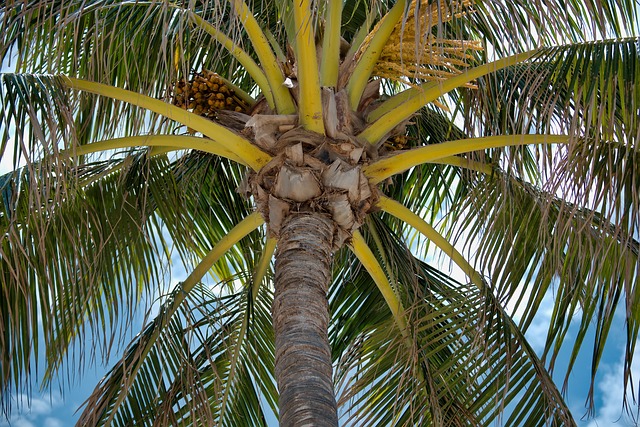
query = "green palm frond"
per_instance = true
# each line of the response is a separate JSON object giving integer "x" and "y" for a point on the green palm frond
{"x": 113, "y": 401}
{"x": 582, "y": 90}
{"x": 583, "y": 87}
{"x": 188, "y": 364}
{"x": 120, "y": 217}
{"x": 517, "y": 26}
{"x": 431, "y": 189}
{"x": 81, "y": 289}
{"x": 547, "y": 243}
{"x": 50, "y": 96}
{"x": 36, "y": 118}
{"x": 377, "y": 371}
{"x": 41, "y": 118}
{"x": 592, "y": 96}
{"x": 212, "y": 206}
{"x": 583, "y": 193}
{"x": 199, "y": 346}
{"x": 104, "y": 40}
{"x": 532, "y": 241}
{"x": 234, "y": 364}
{"x": 55, "y": 38}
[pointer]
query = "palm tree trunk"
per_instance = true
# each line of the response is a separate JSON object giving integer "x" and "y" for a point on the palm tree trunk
{"x": 301, "y": 317}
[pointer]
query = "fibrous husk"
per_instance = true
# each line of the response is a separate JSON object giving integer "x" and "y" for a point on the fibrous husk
{"x": 232, "y": 119}
{"x": 343, "y": 110}
{"x": 341, "y": 175}
{"x": 278, "y": 211}
{"x": 299, "y": 185}
{"x": 371, "y": 93}
{"x": 313, "y": 173}
{"x": 340, "y": 209}
{"x": 266, "y": 128}
{"x": 261, "y": 107}
{"x": 298, "y": 135}
{"x": 350, "y": 123}
{"x": 330, "y": 113}
{"x": 356, "y": 154}
{"x": 294, "y": 154}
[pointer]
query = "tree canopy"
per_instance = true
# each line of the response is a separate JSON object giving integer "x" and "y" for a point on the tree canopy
{"x": 502, "y": 135}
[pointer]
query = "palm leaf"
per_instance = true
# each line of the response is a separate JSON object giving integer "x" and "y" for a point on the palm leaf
{"x": 113, "y": 401}
{"x": 551, "y": 244}
{"x": 377, "y": 371}
{"x": 517, "y": 26}
{"x": 76, "y": 289}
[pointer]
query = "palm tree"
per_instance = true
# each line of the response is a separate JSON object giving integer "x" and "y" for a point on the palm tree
{"x": 348, "y": 141}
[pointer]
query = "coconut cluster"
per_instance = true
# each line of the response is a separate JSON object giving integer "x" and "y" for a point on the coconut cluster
{"x": 398, "y": 142}
{"x": 205, "y": 94}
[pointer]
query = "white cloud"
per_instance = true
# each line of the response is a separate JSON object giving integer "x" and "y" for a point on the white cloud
{"x": 610, "y": 388}
{"x": 21, "y": 422}
{"x": 33, "y": 412}
{"x": 15, "y": 421}
{"x": 40, "y": 407}
{"x": 52, "y": 422}
{"x": 537, "y": 332}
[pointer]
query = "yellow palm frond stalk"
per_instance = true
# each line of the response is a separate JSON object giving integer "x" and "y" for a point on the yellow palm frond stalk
{"x": 413, "y": 54}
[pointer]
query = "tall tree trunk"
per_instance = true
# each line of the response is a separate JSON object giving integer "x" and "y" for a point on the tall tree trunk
{"x": 301, "y": 317}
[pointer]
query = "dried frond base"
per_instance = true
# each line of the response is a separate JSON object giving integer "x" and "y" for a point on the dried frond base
{"x": 314, "y": 176}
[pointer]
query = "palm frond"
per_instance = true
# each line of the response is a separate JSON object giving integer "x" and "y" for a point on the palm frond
{"x": 596, "y": 266}
{"x": 236, "y": 366}
{"x": 402, "y": 106}
{"x": 330, "y": 59}
{"x": 376, "y": 370}
{"x": 113, "y": 400}
{"x": 402, "y": 161}
{"x": 309, "y": 101}
{"x": 584, "y": 88}
{"x": 366, "y": 257}
{"x": 235, "y": 143}
{"x": 365, "y": 63}
{"x": 546, "y": 244}
{"x": 110, "y": 212}
{"x": 187, "y": 368}
{"x": 428, "y": 189}
{"x": 73, "y": 266}
{"x": 510, "y": 27}
{"x": 103, "y": 41}
{"x": 585, "y": 193}
{"x": 281, "y": 95}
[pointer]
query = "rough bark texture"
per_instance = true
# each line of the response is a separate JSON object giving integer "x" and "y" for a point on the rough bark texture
{"x": 301, "y": 317}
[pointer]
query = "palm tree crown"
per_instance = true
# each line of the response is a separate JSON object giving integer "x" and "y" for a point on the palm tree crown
{"x": 347, "y": 141}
